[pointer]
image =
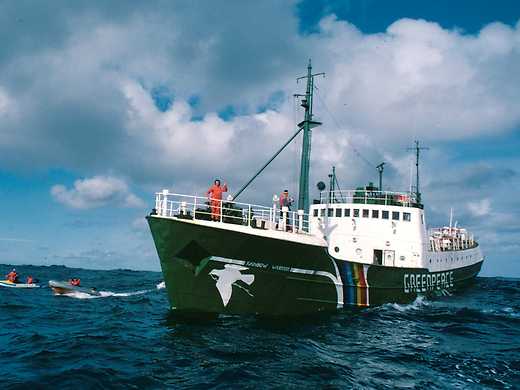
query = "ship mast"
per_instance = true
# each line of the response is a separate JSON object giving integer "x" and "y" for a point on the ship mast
{"x": 417, "y": 149}
{"x": 307, "y": 124}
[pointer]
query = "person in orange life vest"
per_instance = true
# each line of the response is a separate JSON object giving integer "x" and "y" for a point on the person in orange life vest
{"x": 30, "y": 280}
{"x": 13, "y": 276}
{"x": 215, "y": 198}
{"x": 74, "y": 282}
{"x": 286, "y": 201}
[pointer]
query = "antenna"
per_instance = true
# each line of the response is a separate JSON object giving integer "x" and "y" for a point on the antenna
{"x": 332, "y": 184}
{"x": 380, "y": 168}
{"x": 417, "y": 149}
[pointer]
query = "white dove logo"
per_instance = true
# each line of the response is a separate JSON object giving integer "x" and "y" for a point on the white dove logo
{"x": 226, "y": 277}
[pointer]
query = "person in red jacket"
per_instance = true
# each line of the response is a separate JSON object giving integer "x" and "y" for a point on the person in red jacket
{"x": 215, "y": 198}
{"x": 30, "y": 280}
{"x": 13, "y": 276}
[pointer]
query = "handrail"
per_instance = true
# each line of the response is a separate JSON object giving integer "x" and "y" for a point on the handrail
{"x": 228, "y": 211}
{"x": 364, "y": 196}
{"x": 447, "y": 239}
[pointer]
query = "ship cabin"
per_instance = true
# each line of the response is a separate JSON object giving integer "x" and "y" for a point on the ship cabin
{"x": 387, "y": 228}
{"x": 371, "y": 226}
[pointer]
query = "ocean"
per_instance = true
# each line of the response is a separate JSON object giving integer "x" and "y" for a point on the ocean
{"x": 127, "y": 338}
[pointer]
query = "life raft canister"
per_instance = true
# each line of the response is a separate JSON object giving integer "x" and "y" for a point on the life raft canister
{"x": 402, "y": 198}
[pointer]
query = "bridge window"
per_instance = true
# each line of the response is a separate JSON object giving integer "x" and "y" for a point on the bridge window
{"x": 356, "y": 212}
{"x": 315, "y": 212}
{"x": 347, "y": 213}
{"x": 375, "y": 213}
{"x": 338, "y": 212}
{"x": 366, "y": 213}
{"x": 322, "y": 212}
{"x": 395, "y": 215}
{"x": 384, "y": 214}
{"x": 330, "y": 213}
{"x": 407, "y": 217}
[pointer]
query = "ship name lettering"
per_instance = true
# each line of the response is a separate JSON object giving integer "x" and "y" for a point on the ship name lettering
{"x": 427, "y": 282}
{"x": 255, "y": 264}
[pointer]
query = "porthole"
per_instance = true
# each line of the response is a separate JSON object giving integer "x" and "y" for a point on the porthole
{"x": 336, "y": 249}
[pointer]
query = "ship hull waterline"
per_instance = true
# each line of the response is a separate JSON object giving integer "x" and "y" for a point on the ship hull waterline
{"x": 213, "y": 270}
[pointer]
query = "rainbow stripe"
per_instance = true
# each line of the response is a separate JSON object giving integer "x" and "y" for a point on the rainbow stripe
{"x": 355, "y": 285}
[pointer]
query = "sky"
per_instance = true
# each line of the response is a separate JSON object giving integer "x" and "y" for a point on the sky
{"x": 104, "y": 103}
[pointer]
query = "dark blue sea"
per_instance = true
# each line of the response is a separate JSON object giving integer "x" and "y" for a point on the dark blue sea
{"x": 128, "y": 339}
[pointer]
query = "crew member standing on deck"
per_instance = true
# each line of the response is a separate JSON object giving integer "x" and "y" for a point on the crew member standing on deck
{"x": 215, "y": 198}
{"x": 286, "y": 201}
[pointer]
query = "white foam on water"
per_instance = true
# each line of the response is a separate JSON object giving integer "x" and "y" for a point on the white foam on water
{"x": 79, "y": 295}
{"x": 417, "y": 304}
{"x": 126, "y": 294}
{"x": 161, "y": 285}
{"x": 103, "y": 294}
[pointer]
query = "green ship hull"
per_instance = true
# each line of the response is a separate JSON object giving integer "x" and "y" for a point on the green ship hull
{"x": 211, "y": 269}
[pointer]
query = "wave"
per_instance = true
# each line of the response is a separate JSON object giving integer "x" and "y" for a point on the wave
{"x": 124, "y": 294}
{"x": 419, "y": 303}
{"x": 104, "y": 294}
{"x": 507, "y": 312}
{"x": 161, "y": 285}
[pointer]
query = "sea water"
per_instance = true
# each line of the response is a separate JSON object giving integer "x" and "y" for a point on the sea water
{"x": 127, "y": 338}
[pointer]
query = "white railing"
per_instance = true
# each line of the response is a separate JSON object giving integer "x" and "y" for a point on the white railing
{"x": 388, "y": 198}
{"x": 181, "y": 206}
{"x": 450, "y": 239}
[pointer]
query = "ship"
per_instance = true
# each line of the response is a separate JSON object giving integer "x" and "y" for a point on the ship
{"x": 356, "y": 248}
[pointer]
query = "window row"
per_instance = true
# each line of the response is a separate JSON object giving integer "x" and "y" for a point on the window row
{"x": 364, "y": 213}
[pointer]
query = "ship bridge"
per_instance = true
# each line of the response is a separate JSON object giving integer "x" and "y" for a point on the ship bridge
{"x": 371, "y": 226}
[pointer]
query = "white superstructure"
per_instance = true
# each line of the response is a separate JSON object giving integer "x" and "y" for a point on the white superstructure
{"x": 389, "y": 229}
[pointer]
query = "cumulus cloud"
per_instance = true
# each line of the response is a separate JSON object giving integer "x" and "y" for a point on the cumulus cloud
{"x": 480, "y": 208}
{"x": 80, "y": 97}
{"x": 4, "y": 102}
{"x": 414, "y": 80}
{"x": 97, "y": 191}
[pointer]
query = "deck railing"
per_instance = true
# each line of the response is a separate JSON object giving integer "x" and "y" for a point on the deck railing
{"x": 363, "y": 196}
{"x": 181, "y": 206}
{"x": 450, "y": 239}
